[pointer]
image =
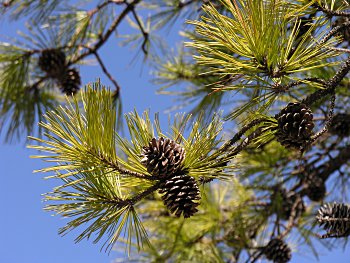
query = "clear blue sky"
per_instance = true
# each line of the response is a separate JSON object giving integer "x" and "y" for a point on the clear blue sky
{"x": 29, "y": 235}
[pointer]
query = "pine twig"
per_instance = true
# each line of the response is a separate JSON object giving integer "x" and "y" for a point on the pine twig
{"x": 136, "y": 198}
{"x": 114, "y": 165}
{"x": 333, "y": 32}
{"x": 330, "y": 85}
{"x": 144, "y": 33}
{"x": 330, "y": 12}
{"x": 328, "y": 121}
{"x": 109, "y": 31}
{"x": 106, "y": 72}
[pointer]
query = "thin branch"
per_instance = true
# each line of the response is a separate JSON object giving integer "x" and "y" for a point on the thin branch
{"x": 239, "y": 134}
{"x": 109, "y": 31}
{"x": 133, "y": 200}
{"x": 114, "y": 165}
{"x": 333, "y": 32}
{"x": 284, "y": 88}
{"x": 330, "y": 12}
{"x": 144, "y": 33}
{"x": 330, "y": 85}
{"x": 103, "y": 5}
{"x": 106, "y": 72}
{"x": 328, "y": 121}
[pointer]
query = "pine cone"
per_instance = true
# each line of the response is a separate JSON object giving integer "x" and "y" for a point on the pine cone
{"x": 315, "y": 187}
{"x": 283, "y": 202}
{"x": 340, "y": 125}
{"x": 53, "y": 62}
{"x": 70, "y": 82}
{"x": 162, "y": 157}
{"x": 180, "y": 195}
{"x": 335, "y": 219}
{"x": 295, "y": 124}
{"x": 277, "y": 251}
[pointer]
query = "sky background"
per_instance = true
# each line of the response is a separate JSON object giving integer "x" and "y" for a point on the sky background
{"x": 29, "y": 234}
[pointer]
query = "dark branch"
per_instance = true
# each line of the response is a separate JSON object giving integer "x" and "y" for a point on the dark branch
{"x": 330, "y": 12}
{"x": 104, "y": 69}
{"x": 144, "y": 33}
{"x": 334, "y": 31}
{"x": 330, "y": 85}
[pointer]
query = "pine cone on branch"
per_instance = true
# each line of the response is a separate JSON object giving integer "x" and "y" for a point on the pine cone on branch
{"x": 335, "y": 219}
{"x": 53, "y": 62}
{"x": 70, "y": 82}
{"x": 277, "y": 251}
{"x": 162, "y": 157}
{"x": 295, "y": 124}
{"x": 181, "y": 195}
{"x": 315, "y": 187}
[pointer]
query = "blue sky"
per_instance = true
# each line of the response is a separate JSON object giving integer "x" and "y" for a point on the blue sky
{"x": 28, "y": 233}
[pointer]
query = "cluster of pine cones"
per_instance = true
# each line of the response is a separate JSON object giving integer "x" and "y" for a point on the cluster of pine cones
{"x": 163, "y": 159}
{"x": 53, "y": 63}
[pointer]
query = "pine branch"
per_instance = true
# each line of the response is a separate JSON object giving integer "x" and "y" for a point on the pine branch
{"x": 330, "y": 12}
{"x": 103, "y": 38}
{"x": 334, "y": 31}
{"x": 144, "y": 33}
{"x": 330, "y": 85}
{"x": 105, "y": 70}
{"x": 115, "y": 167}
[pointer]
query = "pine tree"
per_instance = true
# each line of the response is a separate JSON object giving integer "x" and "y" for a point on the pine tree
{"x": 194, "y": 191}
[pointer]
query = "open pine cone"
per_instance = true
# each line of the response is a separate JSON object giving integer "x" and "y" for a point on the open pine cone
{"x": 277, "y": 251}
{"x": 315, "y": 187}
{"x": 53, "y": 62}
{"x": 162, "y": 157}
{"x": 295, "y": 124}
{"x": 181, "y": 195}
{"x": 335, "y": 219}
{"x": 70, "y": 82}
